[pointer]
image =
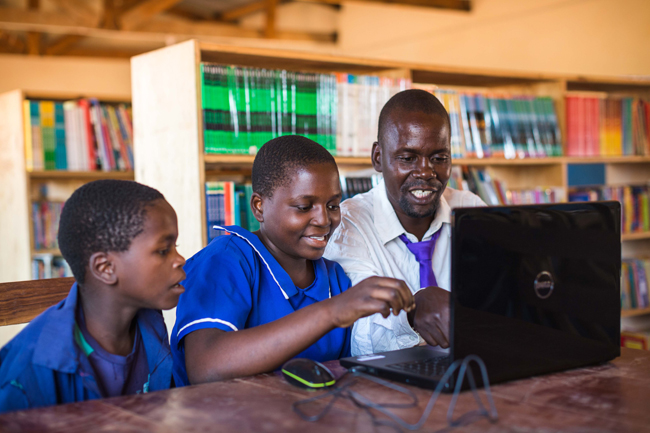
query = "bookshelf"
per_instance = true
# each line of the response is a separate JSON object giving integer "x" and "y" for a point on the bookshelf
{"x": 19, "y": 187}
{"x": 168, "y": 110}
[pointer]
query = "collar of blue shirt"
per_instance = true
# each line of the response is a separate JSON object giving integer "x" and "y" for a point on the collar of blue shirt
{"x": 57, "y": 349}
{"x": 319, "y": 290}
{"x": 388, "y": 225}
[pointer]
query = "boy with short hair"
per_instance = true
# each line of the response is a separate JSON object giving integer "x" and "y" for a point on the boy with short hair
{"x": 108, "y": 337}
{"x": 255, "y": 300}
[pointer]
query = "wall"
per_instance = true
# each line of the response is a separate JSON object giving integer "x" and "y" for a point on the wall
{"x": 597, "y": 37}
{"x": 65, "y": 74}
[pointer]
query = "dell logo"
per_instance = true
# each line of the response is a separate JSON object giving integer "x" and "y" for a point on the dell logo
{"x": 544, "y": 285}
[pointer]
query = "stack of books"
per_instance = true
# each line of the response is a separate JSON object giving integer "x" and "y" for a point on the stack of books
{"x": 80, "y": 135}
{"x": 352, "y": 186}
{"x": 360, "y": 100}
{"x": 634, "y": 203}
{"x": 228, "y": 203}
{"x": 243, "y": 108}
{"x": 495, "y": 193}
{"x": 45, "y": 221}
{"x": 634, "y": 283}
{"x": 508, "y": 127}
{"x": 49, "y": 266}
{"x": 608, "y": 126}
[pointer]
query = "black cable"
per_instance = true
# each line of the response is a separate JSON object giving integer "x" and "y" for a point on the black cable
{"x": 366, "y": 404}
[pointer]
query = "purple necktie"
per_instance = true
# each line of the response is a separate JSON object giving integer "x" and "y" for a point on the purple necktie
{"x": 423, "y": 252}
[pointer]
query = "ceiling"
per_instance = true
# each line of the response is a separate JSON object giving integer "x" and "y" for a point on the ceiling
{"x": 124, "y": 28}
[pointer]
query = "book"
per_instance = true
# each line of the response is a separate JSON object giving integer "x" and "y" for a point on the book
{"x": 78, "y": 135}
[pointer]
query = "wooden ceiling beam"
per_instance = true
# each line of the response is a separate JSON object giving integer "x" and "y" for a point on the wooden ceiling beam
{"x": 461, "y": 5}
{"x": 79, "y": 11}
{"x": 156, "y": 30}
{"x": 238, "y": 12}
{"x": 271, "y": 8}
{"x": 12, "y": 43}
{"x": 34, "y": 43}
{"x": 143, "y": 12}
{"x": 62, "y": 45}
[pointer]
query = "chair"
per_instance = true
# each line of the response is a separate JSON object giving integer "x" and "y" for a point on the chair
{"x": 21, "y": 301}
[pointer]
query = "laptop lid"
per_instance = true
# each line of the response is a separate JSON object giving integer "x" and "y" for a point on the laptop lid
{"x": 536, "y": 288}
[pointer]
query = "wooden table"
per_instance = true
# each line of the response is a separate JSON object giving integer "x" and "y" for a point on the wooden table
{"x": 605, "y": 398}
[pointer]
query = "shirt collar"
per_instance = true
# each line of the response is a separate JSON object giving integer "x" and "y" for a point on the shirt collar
{"x": 279, "y": 275}
{"x": 320, "y": 288}
{"x": 57, "y": 349}
{"x": 387, "y": 223}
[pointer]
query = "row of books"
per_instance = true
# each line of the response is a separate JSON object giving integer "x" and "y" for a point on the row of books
{"x": 80, "y": 135}
{"x": 49, "y": 266}
{"x": 228, "y": 203}
{"x": 352, "y": 186}
{"x": 512, "y": 127}
{"x": 634, "y": 203}
{"x": 494, "y": 192}
{"x": 607, "y": 126}
{"x": 45, "y": 223}
{"x": 243, "y": 108}
{"x": 360, "y": 100}
{"x": 635, "y": 274}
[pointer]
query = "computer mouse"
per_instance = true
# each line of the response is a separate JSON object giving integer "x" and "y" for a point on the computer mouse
{"x": 307, "y": 374}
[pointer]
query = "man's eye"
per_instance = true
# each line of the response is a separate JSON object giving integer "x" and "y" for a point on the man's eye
{"x": 334, "y": 207}
{"x": 406, "y": 158}
{"x": 440, "y": 159}
{"x": 303, "y": 208}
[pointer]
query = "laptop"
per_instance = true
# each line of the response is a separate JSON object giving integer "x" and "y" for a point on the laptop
{"x": 535, "y": 289}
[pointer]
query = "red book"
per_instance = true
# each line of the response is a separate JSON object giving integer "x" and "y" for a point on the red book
{"x": 91, "y": 146}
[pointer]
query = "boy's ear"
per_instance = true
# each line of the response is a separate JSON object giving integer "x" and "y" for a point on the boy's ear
{"x": 376, "y": 156}
{"x": 257, "y": 206}
{"x": 102, "y": 268}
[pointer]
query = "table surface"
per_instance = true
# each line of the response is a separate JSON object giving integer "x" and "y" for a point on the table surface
{"x": 604, "y": 398}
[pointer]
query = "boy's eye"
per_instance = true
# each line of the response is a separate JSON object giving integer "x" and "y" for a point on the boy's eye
{"x": 303, "y": 208}
{"x": 164, "y": 252}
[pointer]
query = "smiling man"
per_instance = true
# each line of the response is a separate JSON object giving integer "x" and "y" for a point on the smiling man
{"x": 400, "y": 228}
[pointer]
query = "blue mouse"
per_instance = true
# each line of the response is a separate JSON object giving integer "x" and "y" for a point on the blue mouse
{"x": 308, "y": 374}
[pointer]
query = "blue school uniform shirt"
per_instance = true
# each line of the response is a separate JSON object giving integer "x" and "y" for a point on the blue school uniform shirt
{"x": 235, "y": 283}
{"x": 47, "y": 362}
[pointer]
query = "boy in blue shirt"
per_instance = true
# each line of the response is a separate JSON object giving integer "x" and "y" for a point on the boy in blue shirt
{"x": 255, "y": 300}
{"x": 108, "y": 336}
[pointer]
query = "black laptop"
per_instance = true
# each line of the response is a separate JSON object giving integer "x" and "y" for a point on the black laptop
{"x": 535, "y": 289}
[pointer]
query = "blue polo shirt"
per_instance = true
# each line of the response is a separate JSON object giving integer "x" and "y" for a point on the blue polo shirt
{"x": 235, "y": 283}
{"x": 47, "y": 362}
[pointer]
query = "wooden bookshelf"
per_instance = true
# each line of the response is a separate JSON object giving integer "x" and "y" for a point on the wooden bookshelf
{"x": 167, "y": 112}
{"x": 635, "y": 312}
{"x": 18, "y": 186}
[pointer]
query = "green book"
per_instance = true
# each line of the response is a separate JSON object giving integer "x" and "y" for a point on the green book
{"x": 47, "y": 134}
{"x": 60, "y": 153}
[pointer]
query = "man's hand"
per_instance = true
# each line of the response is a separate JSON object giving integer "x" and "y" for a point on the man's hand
{"x": 431, "y": 316}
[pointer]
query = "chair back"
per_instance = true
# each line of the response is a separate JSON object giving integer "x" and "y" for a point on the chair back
{"x": 21, "y": 301}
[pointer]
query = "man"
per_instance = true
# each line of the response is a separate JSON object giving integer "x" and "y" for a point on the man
{"x": 400, "y": 228}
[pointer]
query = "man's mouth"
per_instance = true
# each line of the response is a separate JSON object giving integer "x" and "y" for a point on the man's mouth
{"x": 421, "y": 193}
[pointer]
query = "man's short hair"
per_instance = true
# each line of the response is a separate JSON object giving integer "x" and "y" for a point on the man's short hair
{"x": 102, "y": 216}
{"x": 279, "y": 158}
{"x": 412, "y": 100}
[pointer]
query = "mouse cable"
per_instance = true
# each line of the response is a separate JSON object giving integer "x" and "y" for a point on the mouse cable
{"x": 366, "y": 404}
{"x": 342, "y": 391}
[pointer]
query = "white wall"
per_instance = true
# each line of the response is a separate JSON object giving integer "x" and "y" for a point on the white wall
{"x": 601, "y": 37}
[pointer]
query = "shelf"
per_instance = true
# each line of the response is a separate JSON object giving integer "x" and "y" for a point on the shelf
{"x": 65, "y": 96}
{"x": 81, "y": 175}
{"x": 635, "y": 312}
{"x": 227, "y": 159}
{"x": 606, "y": 159}
{"x": 503, "y": 161}
{"x": 635, "y": 236}
{"x": 53, "y": 251}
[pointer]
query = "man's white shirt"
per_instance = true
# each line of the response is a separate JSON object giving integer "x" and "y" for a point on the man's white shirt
{"x": 367, "y": 244}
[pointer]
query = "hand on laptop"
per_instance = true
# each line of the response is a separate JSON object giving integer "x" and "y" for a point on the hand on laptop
{"x": 431, "y": 316}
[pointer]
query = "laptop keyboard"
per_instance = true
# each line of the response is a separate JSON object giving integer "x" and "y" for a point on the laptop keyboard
{"x": 425, "y": 367}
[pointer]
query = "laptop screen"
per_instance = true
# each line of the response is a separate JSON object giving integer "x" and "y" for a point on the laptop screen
{"x": 536, "y": 288}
